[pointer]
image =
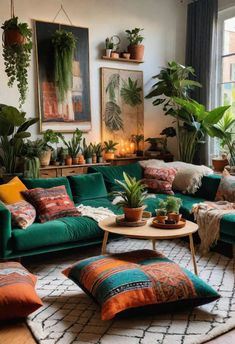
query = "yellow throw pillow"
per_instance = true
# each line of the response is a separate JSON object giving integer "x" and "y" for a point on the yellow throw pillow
{"x": 11, "y": 191}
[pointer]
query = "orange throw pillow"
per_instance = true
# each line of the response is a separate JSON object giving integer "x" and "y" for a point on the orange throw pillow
{"x": 18, "y": 297}
{"x": 11, "y": 191}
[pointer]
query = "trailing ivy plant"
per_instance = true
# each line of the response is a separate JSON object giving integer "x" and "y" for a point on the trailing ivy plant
{"x": 17, "y": 55}
{"x": 64, "y": 44}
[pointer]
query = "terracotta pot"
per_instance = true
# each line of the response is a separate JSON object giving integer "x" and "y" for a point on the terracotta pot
{"x": 161, "y": 219}
{"x": 94, "y": 159}
{"x": 133, "y": 214}
{"x": 45, "y": 157}
{"x": 175, "y": 217}
{"x": 13, "y": 37}
{"x": 126, "y": 55}
{"x": 219, "y": 164}
{"x": 109, "y": 155}
{"x": 68, "y": 161}
{"x": 81, "y": 160}
{"x": 114, "y": 55}
{"x": 75, "y": 161}
{"x": 136, "y": 51}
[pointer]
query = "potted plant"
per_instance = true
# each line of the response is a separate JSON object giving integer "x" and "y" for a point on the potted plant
{"x": 137, "y": 139}
{"x": 73, "y": 146}
{"x": 108, "y": 47}
{"x": 87, "y": 152}
{"x": 161, "y": 215}
{"x": 31, "y": 152}
{"x": 64, "y": 44}
{"x": 94, "y": 154}
{"x": 17, "y": 46}
{"x": 13, "y": 131}
{"x": 49, "y": 136}
{"x": 135, "y": 48}
{"x": 132, "y": 197}
{"x": 109, "y": 149}
{"x": 172, "y": 205}
{"x": 99, "y": 150}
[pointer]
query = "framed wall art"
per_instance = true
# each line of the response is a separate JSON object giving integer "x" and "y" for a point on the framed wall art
{"x": 74, "y": 111}
{"x": 122, "y": 106}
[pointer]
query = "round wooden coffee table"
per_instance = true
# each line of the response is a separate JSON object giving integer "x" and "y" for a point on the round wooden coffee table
{"x": 149, "y": 232}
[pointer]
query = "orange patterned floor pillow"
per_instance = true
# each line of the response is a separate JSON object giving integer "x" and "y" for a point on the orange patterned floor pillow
{"x": 18, "y": 297}
{"x": 52, "y": 203}
{"x": 137, "y": 279}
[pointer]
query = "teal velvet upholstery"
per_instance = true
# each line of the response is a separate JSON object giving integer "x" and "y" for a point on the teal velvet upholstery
{"x": 46, "y": 183}
{"x": 110, "y": 173}
{"x": 87, "y": 187}
{"x": 209, "y": 187}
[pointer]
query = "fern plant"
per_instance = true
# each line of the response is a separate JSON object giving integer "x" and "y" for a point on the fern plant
{"x": 64, "y": 45}
{"x": 133, "y": 194}
{"x": 130, "y": 92}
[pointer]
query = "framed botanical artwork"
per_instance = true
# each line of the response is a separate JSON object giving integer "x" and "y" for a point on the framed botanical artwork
{"x": 74, "y": 111}
{"x": 122, "y": 106}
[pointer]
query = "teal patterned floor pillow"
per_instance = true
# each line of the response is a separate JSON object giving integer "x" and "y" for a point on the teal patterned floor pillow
{"x": 131, "y": 280}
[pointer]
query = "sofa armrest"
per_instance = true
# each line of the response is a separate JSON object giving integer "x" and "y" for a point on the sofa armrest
{"x": 5, "y": 230}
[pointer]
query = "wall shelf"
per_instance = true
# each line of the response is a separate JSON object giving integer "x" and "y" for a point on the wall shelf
{"x": 121, "y": 59}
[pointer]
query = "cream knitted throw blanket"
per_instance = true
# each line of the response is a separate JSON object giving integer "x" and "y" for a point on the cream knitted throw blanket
{"x": 208, "y": 216}
{"x": 96, "y": 214}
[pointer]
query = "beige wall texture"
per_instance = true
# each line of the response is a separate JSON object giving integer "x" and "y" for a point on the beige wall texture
{"x": 164, "y": 23}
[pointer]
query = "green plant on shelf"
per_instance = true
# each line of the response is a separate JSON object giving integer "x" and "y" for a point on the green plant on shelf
{"x": 72, "y": 145}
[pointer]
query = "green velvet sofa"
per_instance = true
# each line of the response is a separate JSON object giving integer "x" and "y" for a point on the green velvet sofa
{"x": 91, "y": 189}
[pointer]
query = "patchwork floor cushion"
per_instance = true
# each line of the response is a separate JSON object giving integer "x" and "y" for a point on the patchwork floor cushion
{"x": 136, "y": 279}
{"x": 18, "y": 297}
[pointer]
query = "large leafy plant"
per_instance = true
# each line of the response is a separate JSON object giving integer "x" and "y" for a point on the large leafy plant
{"x": 13, "y": 131}
{"x": 130, "y": 92}
{"x": 17, "y": 55}
{"x": 134, "y": 36}
{"x": 133, "y": 194}
{"x": 72, "y": 145}
{"x": 64, "y": 44}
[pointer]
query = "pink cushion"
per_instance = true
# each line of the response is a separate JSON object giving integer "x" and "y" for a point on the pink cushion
{"x": 160, "y": 179}
{"x": 23, "y": 214}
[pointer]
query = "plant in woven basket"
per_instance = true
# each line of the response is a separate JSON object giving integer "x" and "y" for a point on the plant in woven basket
{"x": 64, "y": 44}
{"x": 17, "y": 46}
{"x": 132, "y": 197}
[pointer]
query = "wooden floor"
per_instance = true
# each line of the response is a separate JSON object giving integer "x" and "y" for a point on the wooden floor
{"x": 18, "y": 333}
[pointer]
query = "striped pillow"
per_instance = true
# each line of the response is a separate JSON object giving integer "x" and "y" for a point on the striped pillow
{"x": 51, "y": 203}
{"x": 139, "y": 278}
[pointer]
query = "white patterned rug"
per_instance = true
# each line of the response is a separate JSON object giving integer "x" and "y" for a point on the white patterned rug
{"x": 69, "y": 316}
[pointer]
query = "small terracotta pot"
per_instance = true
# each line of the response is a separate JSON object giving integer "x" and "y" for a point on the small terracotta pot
{"x": 136, "y": 51}
{"x": 175, "y": 217}
{"x": 13, "y": 36}
{"x": 133, "y": 214}
{"x": 75, "y": 161}
{"x": 109, "y": 156}
{"x": 81, "y": 160}
{"x": 126, "y": 55}
{"x": 161, "y": 219}
{"x": 219, "y": 164}
{"x": 68, "y": 161}
{"x": 94, "y": 159}
{"x": 114, "y": 55}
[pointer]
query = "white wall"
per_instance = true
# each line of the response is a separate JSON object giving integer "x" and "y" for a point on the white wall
{"x": 223, "y": 4}
{"x": 164, "y": 23}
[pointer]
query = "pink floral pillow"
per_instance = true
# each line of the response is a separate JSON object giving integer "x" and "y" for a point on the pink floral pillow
{"x": 160, "y": 179}
{"x": 23, "y": 214}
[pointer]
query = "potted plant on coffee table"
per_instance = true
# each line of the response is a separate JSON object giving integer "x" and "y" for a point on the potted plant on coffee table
{"x": 109, "y": 149}
{"x": 132, "y": 197}
{"x": 135, "y": 48}
{"x": 161, "y": 215}
{"x": 17, "y": 46}
{"x": 172, "y": 205}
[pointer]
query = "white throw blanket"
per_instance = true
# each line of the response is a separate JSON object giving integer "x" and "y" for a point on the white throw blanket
{"x": 96, "y": 214}
{"x": 208, "y": 216}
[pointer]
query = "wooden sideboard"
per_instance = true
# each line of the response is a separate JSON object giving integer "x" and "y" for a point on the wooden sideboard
{"x": 66, "y": 170}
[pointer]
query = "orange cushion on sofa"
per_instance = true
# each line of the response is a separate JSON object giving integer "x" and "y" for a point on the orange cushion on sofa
{"x": 11, "y": 191}
{"x": 17, "y": 294}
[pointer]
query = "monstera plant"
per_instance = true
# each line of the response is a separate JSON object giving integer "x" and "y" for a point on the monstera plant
{"x": 13, "y": 130}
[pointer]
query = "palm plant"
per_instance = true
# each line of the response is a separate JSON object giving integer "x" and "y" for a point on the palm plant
{"x": 74, "y": 144}
{"x": 133, "y": 194}
{"x": 130, "y": 92}
{"x": 113, "y": 120}
{"x": 110, "y": 146}
{"x": 13, "y": 131}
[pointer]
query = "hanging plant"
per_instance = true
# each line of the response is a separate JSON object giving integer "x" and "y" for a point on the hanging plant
{"x": 17, "y": 46}
{"x": 64, "y": 45}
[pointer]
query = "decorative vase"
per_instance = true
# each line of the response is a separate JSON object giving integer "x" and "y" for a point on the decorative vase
{"x": 219, "y": 164}
{"x": 45, "y": 157}
{"x": 75, "y": 161}
{"x": 136, "y": 51}
{"x": 68, "y": 161}
{"x": 12, "y": 37}
{"x": 133, "y": 214}
{"x": 94, "y": 159}
{"x": 161, "y": 218}
{"x": 175, "y": 217}
{"x": 108, "y": 52}
{"x": 89, "y": 160}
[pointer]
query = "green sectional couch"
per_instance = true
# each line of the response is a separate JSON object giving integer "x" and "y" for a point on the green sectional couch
{"x": 91, "y": 189}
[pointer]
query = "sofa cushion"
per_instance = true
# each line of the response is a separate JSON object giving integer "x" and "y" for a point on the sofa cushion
{"x": 136, "y": 279}
{"x": 110, "y": 173}
{"x": 209, "y": 187}
{"x": 46, "y": 183}
{"x": 11, "y": 191}
{"x": 87, "y": 186}
{"x": 226, "y": 189}
{"x": 159, "y": 179}
{"x": 23, "y": 214}
{"x": 18, "y": 297}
